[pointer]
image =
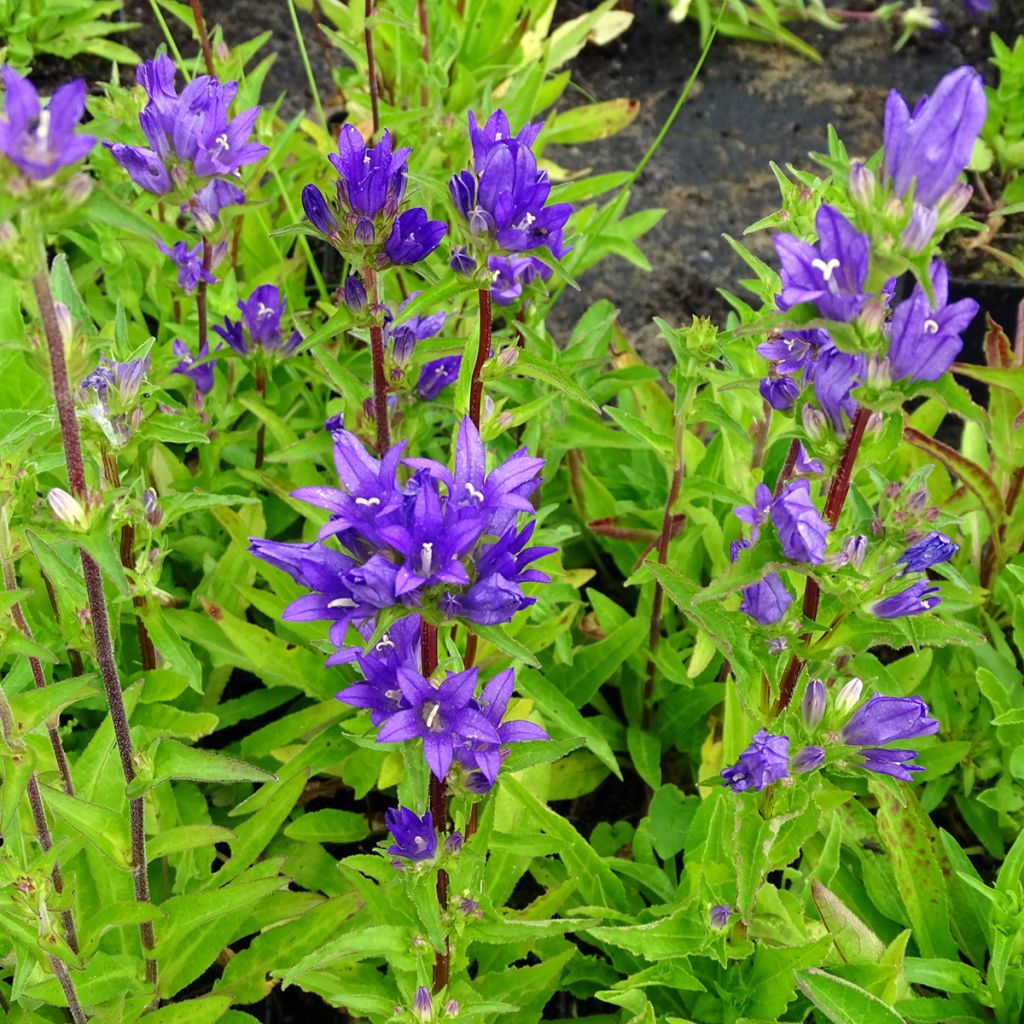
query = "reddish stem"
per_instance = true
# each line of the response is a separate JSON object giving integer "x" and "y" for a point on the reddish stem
{"x": 201, "y": 293}
{"x": 380, "y": 389}
{"x": 421, "y": 10}
{"x": 483, "y": 350}
{"x": 837, "y": 492}
{"x": 71, "y": 439}
{"x": 787, "y": 468}
{"x": 204, "y": 39}
{"x": 371, "y": 69}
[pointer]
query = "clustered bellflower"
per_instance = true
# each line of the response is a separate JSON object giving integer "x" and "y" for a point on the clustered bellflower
{"x": 195, "y": 149}
{"x": 40, "y": 142}
{"x": 504, "y": 199}
{"x": 364, "y": 223}
{"x": 879, "y": 721}
{"x": 802, "y": 533}
{"x": 260, "y": 325}
{"x": 109, "y": 395}
{"x": 443, "y": 541}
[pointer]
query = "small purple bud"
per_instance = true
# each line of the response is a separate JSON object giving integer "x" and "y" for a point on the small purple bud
{"x": 317, "y": 210}
{"x": 508, "y": 356}
{"x": 67, "y": 509}
{"x": 892, "y": 490}
{"x": 917, "y": 502}
{"x": 451, "y": 1008}
{"x": 453, "y": 844}
{"x": 423, "y": 1005}
{"x": 364, "y": 232}
{"x": 814, "y": 422}
{"x": 807, "y": 760}
{"x": 855, "y": 548}
{"x": 871, "y": 318}
{"x": 953, "y": 202}
{"x": 461, "y": 262}
{"x": 812, "y": 708}
{"x": 863, "y": 185}
{"x": 719, "y": 916}
{"x": 919, "y": 230}
{"x": 355, "y": 293}
{"x": 150, "y": 509}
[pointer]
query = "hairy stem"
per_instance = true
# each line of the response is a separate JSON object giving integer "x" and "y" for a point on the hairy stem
{"x": 97, "y": 601}
{"x": 371, "y": 68}
{"x": 201, "y": 293}
{"x": 421, "y": 10}
{"x": 837, "y": 491}
{"x": 438, "y": 809}
{"x": 204, "y": 39}
{"x": 787, "y": 467}
{"x": 380, "y": 381}
{"x": 483, "y": 350}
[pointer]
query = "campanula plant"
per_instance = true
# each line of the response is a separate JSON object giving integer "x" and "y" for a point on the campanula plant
{"x": 371, "y": 644}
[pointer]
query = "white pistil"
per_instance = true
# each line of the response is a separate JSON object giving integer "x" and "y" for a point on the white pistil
{"x": 431, "y": 715}
{"x": 385, "y": 641}
{"x": 931, "y": 327}
{"x": 262, "y": 311}
{"x": 426, "y": 555}
{"x": 473, "y": 492}
{"x": 368, "y": 502}
{"x": 341, "y": 602}
{"x": 827, "y": 269}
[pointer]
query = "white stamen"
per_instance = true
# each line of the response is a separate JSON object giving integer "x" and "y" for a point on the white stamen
{"x": 419, "y": 842}
{"x": 341, "y": 602}
{"x": 528, "y": 219}
{"x": 222, "y": 140}
{"x": 931, "y": 327}
{"x": 432, "y": 714}
{"x": 827, "y": 269}
{"x": 368, "y": 502}
{"x": 473, "y": 492}
{"x": 495, "y": 274}
{"x": 385, "y": 641}
{"x": 262, "y": 311}
{"x": 395, "y": 695}
{"x": 426, "y": 555}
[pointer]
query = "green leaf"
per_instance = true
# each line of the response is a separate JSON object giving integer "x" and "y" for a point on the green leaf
{"x": 591, "y": 121}
{"x": 206, "y": 1010}
{"x": 97, "y": 824}
{"x": 645, "y": 750}
{"x": 856, "y": 942}
{"x": 668, "y": 937}
{"x": 497, "y": 636}
{"x": 328, "y": 826}
{"x": 537, "y": 368}
{"x": 842, "y": 1001}
{"x": 32, "y": 707}
{"x": 173, "y": 760}
{"x": 186, "y": 837}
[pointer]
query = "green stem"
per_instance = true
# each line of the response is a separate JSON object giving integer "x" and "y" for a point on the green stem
{"x": 304, "y": 55}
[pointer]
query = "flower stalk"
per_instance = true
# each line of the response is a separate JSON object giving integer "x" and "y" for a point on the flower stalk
{"x": 371, "y": 69}
{"x": 71, "y": 439}
{"x": 380, "y": 381}
{"x": 204, "y": 37}
{"x": 837, "y": 491}
{"x": 476, "y": 385}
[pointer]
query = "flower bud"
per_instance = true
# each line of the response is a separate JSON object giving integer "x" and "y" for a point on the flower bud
{"x": 67, "y": 509}
{"x": 719, "y": 915}
{"x": 863, "y": 185}
{"x": 919, "y": 230}
{"x": 461, "y": 262}
{"x": 807, "y": 760}
{"x": 423, "y": 1005}
{"x": 316, "y": 209}
{"x": 403, "y": 341}
{"x": 812, "y": 707}
{"x": 150, "y": 509}
{"x": 364, "y": 232}
{"x": 871, "y": 318}
{"x": 814, "y": 422}
{"x": 64, "y": 323}
{"x": 894, "y": 209}
{"x": 508, "y": 356}
{"x": 453, "y": 844}
{"x": 952, "y": 202}
{"x": 451, "y": 1008}
{"x": 355, "y": 293}
{"x": 855, "y": 548}
{"x": 849, "y": 696}
{"x": 916, "y": 502}
{"x": 892, "y": 490}
{"x": 920, "y": 16}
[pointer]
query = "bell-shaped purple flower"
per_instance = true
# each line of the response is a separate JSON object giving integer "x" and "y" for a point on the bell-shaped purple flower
{"x": 260, "y": 325}
{"x": 779, "y": 392}
{"x": 40, "y": 142}
{"x": 831, "y": 274}
{"x": 834, "y": 375}
{"x": 415, "y": 838}
{"x": 802, "y": 532}
{"x": 929, "y": 148}
{"x": 767, "y": 601}
{"x": 765, "y": 761}
{"x": 372, "y": 178}
{"x": 413, "y": 237}
{"x": 917, "y": 598}
{"x": 757, "y": 514}
{"x": 930, "y": 550}
{"x": 198, "y": 368}
{"x": 436, "y": 375}
{"x": 443, "y": 717}
{"x": 317, "y": 211}
{"x": 509, "y": 275}
{"x": 924, "y": 340}
{"x": 885, "y": 719}
{"x": 190, "y": 262}
{"x": 892, "y": 762}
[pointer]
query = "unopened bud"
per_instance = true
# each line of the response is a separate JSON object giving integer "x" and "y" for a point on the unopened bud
{"x": 67, "y": 509}
{"x": 77, "y": 189}
{"x": 876, "y": 420}
{"x": 814, "y": 422}
{"x": 892, "y": 490}
{"x": 453, "y": 844}
{"x": 876, "y": 526}
{"x": 451, "y": 1008}
{"x": 917, "y": 502}
{"x": 150, "y": 509}
{"x": 807, "y": 760}
{"x": 920, "y": 16}
{"x": 856, "y": 548}
{"x": 919, "y": 230}
{"x": 849, "y": 696}
{"x": 953, "y": 201}
{"x": 64, "y": 323}
{"x": 461, "y": 262}
{"x": 423, "y": 1005}
{"x": 871, "y": 318}
{"x": 355, "y": 293}
{"x": 863, "y": 185}
{"x": 365, "y": 233}
{"x": 894, "y": 209}
{"x": 508, "y": 356}
{"x": 812, "y": 707}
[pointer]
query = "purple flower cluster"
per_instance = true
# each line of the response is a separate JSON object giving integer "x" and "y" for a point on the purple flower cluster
{"x": 444, "y": 541}
{"x": 365, "y": 221}
{"x": 109, "y": 395}
{"x": 190, "y": 262}
{"x": 880, "y": 721}
{"x": 193, "y": 144}
{"x": 504, "y": 199}
{"x": 260, "y": 325}
{"x": 40, "y": 142}
{"x": 802, "y": 533}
